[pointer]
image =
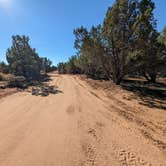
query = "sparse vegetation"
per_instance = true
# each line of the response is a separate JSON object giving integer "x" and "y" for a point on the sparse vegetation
{"x": 23, "y": 60}
{"x": 24, "y": 64}
{"x": 127, "y": 43}
{"x": 107, "y": 104}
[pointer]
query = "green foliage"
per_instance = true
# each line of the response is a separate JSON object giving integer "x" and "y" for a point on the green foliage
{"x": 119, "y": 36}
{"x": 147, "y": 41}
{"x": 61, "y": 68}
{"x": 91, "y": 54}
{"x": 46, "y": 64}
{"x": 126, "y": 43}
{"x": 24, "y": 61}
{"x": 73, "y": 65}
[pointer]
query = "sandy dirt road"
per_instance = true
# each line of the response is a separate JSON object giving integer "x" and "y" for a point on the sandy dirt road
{"x": 79, "y": 126}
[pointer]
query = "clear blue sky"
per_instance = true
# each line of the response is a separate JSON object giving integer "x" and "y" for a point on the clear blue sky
{"x": 50, "y": 23}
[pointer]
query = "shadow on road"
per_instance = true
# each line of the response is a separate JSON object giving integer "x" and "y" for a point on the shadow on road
{"x": 45, "y": 90}
{"x": 149, "y": 94}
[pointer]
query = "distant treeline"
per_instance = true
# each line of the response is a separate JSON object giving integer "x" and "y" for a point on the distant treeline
{"x": 24, "y": 60}
{"x": 127, "y": 43}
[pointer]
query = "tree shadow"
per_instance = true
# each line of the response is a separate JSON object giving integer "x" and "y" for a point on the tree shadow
{"x": 152, "y": 95}
{"x": 44, "y": 90}
{"x": 45, "y": 78}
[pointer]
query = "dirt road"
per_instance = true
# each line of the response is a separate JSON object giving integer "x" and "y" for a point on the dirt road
{"x": 79, "y": 126}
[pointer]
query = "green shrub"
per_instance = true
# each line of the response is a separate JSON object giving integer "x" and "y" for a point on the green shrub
{"x": 18, "y": 81}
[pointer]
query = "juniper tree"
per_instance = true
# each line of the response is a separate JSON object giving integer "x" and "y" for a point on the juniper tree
{"x": 118, "y": 32}
{"x": 23, "y": 60}
{"x": 149, "y": 57}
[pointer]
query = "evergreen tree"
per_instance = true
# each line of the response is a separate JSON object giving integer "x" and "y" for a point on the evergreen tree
{"x": 61, "y": 68}
{"x": 118, "y": 32}
{"x": 147, "y": 40}
{"x": 22, "y": 59}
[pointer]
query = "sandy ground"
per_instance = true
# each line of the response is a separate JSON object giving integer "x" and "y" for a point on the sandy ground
{"x": 7, "y": 92}
{"x": 80, "y": 126}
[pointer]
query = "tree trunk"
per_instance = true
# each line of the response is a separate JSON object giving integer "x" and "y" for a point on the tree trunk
{"x": 145, "y": 75}
{"x": 153, "y": 77}
{"x": 150, "y": 76}
{"x": 117, "y": 79}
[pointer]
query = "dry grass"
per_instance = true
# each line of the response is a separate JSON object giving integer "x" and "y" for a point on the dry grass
{"x": 6, "y": 77}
